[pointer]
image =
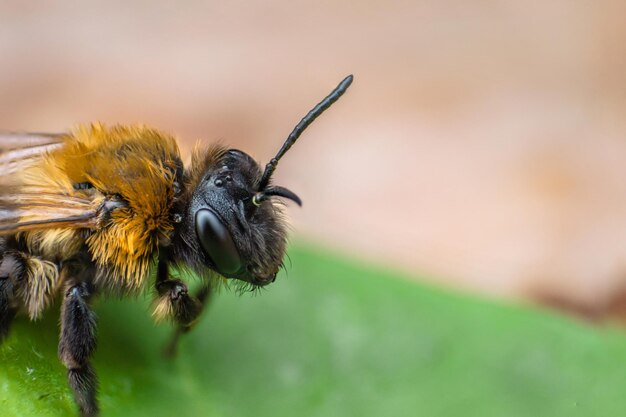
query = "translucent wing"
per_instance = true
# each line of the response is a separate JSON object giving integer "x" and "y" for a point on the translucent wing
{"x": 35, "y": 205}
{"x": 20, "y": 150}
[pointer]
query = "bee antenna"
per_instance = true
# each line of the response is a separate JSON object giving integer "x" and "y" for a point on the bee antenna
{"x": 300, "y": 127}
{"x": 261, "y": 196}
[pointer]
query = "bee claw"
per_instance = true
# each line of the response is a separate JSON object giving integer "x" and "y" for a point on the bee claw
{"x": 178, "y": 291}
{"x": 175, "y": 289}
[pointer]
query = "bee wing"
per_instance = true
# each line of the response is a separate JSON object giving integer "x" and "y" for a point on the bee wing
{"x": 19, "y": 150}
{"x": 33, "y": 208}
{"x": 23, "y": 212}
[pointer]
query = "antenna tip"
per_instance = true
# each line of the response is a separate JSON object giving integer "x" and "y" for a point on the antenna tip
{"x": 347, "y": 81}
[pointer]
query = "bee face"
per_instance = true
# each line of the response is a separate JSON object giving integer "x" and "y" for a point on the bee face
{"x": 238, "y": 237}
{"x": 233, "y": 223}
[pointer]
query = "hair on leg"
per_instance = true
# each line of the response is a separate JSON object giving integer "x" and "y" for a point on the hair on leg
{"x": 200, "y": 299}
{"x": 174, "y": 302}
{"x": 11, "y": 273}
{"x": 7, "y": 312}
{"x": 76, "y": 345}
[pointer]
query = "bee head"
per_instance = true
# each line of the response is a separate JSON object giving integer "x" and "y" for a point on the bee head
{"x": 239, "y": 237}
{"x": 234, "y": 219}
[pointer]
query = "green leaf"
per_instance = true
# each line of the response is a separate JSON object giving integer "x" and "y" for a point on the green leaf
{"x": 330, "y": 339}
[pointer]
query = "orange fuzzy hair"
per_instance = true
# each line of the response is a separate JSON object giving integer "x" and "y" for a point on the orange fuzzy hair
{"x": 137, "y": 165}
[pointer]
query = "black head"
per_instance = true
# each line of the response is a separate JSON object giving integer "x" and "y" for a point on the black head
{"x": 234, "y": 223}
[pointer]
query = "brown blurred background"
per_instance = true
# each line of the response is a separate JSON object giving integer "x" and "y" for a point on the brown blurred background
{"x": 482, "y": 144}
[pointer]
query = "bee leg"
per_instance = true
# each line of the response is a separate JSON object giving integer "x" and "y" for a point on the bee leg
{"x": 76, "y": 344}
{"x": 11, "y": 273}
{"x": 186, "y": 323}
{"x": 7, "y": 312}
{"x": 175, "y": 302}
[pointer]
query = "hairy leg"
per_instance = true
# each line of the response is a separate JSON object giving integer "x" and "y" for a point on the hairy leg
{"x": 12, "y": 270}
{"x": 174, "y": 302}
{"x": 7, "y": 312}
{"x": 76, "y": 345}
{"x": 201, "y": 298}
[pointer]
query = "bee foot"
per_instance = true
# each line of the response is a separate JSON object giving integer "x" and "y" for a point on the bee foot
{"x": 179, "y": 290}
{"x": 173, "y": 288}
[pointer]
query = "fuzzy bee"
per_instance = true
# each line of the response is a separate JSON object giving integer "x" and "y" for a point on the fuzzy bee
{"x": 96, "y": 210}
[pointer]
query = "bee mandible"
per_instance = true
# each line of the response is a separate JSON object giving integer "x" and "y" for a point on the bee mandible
{"x": 96, "y": 210}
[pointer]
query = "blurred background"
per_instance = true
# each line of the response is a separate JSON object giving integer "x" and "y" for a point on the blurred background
{"x": 481, "y": 148}
{"x": 481, "y": 145}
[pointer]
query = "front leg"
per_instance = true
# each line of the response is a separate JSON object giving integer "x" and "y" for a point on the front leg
{"x": 174, "y": 302}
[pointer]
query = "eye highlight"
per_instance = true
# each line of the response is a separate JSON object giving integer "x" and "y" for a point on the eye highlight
{"x": 217, "y": 242}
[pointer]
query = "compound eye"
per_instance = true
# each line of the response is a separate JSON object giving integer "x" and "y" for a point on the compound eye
{"x": 217, "y": 242}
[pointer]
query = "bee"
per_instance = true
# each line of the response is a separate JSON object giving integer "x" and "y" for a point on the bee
{"x": 98, "y": 209}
